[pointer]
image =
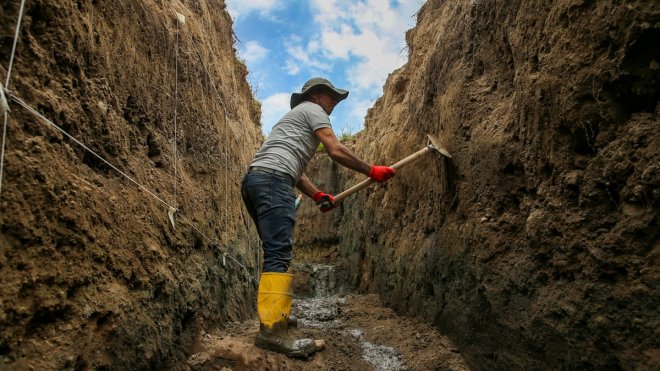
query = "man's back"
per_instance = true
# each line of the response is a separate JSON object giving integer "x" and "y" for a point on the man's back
{"x": 292, "y": 143}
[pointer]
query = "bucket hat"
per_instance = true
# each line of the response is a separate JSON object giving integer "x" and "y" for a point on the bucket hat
{"x": 296, "y": 98}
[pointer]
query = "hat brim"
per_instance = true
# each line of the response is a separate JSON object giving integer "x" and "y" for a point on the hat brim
{"x": 296, "y": 98}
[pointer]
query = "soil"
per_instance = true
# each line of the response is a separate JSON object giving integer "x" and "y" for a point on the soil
{"x": 92, "y": 273}
{"x": 360, "y": 334}
{"x": 536, "y": 246}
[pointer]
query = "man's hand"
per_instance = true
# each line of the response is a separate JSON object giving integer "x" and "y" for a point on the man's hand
{"x": 381, "y": 173}
{"x": 325, "y": 201}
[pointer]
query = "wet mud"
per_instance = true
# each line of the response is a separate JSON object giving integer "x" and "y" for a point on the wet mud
{"x": 360, "y": 334}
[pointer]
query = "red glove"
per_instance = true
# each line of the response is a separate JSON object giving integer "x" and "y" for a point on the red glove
{"x": 325, "y": 201}
{"x": 381, "y": 173}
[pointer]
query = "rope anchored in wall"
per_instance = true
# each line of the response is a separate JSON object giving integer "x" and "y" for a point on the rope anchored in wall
{"x": 141, "y": 186}
{"x": 5, "y": 105}
{"x": 180, "y": 19}
{"x": 6, "y": 96}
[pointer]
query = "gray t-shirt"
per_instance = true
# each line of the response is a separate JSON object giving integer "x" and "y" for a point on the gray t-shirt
{"x": 292, "y": 143}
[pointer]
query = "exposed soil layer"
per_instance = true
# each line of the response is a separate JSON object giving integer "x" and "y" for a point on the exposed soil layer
{"x": 92, "y": 274}
{"x": 537, "y": 245}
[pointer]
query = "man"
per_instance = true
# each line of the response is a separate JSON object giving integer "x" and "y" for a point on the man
{"x": 268, "y": 194}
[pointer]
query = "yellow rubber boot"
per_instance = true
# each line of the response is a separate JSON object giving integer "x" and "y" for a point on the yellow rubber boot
{"x": 274, "y": 305}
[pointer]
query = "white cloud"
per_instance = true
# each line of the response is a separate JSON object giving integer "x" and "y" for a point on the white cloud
{"x": 273, "y": 108}
{"x": 328, "y": 11}
{"x": 355, "y": 43}
{"x": 358, "y": 109}
{"x": 364, "y": 37}
{"x": 291, "y": 67}
{"x": 374, "y": 57}
{"x": 367, "y": 34}
{"x": 369, "y": 31}
{"x": 253, "y": 52}
{"x": 303, "y": 57}
{"x": 239, "y": 8}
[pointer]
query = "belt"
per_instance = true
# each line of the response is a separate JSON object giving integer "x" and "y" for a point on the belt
{"x": 265, "y": 170}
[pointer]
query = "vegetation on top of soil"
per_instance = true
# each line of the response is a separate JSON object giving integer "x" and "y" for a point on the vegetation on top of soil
{"x": 344, "y": 137}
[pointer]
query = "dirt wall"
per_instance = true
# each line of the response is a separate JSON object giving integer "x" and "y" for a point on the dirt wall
{"x": 92, "y": 274}
{"x": 536, "y": 247}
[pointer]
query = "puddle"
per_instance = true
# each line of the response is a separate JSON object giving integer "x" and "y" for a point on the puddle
{"x": 381, "y": 357}
{"x": 323, "y": 311}
{"x": 318, "y": 312}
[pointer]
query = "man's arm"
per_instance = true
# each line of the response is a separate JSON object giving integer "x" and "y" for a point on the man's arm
{"x": 345, "y": 157}
{"x": 325, "y": 201}
{"x": 340, "y": 153}
{"x": 307, "y": 187}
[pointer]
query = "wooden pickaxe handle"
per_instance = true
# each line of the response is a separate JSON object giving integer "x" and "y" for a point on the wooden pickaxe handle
{"x": 365, "y": 183}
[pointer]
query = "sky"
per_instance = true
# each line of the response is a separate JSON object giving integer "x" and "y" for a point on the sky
{"x": 355, "y": 44}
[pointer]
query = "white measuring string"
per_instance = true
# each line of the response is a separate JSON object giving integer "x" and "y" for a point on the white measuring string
{"x": 243, "y": 159}
{"x": 226, "y": 117}
{"x": 52, "y": 124}
{"x": 227, "y": 126}
{"x": 215, "y": 89}
{"x": 11, "y": 62}
{"x": 176, "y": 102}
{"x": 49, "y": 122}
{"x": 218, "y": 246}
{"x": 224, "y": 108}
{"x": 226, "y": 173}
{"x": 2, "y": 152}
{"x": 13, "y": 48}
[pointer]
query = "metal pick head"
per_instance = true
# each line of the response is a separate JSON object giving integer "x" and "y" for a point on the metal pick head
{"x": 435, "y": 143}
{"x": 181, "y": 18}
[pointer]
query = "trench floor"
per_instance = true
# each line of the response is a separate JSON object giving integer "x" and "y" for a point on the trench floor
{"x": 360, "y": 334}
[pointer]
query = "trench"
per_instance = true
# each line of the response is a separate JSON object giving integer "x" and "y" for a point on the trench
{"x": 538, "y": 250}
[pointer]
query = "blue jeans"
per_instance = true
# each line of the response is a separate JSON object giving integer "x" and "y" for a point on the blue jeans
{"x": 270, "y": 200}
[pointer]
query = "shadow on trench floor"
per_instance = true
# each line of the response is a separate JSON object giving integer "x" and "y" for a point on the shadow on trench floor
{"x": 360, "y": 334}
